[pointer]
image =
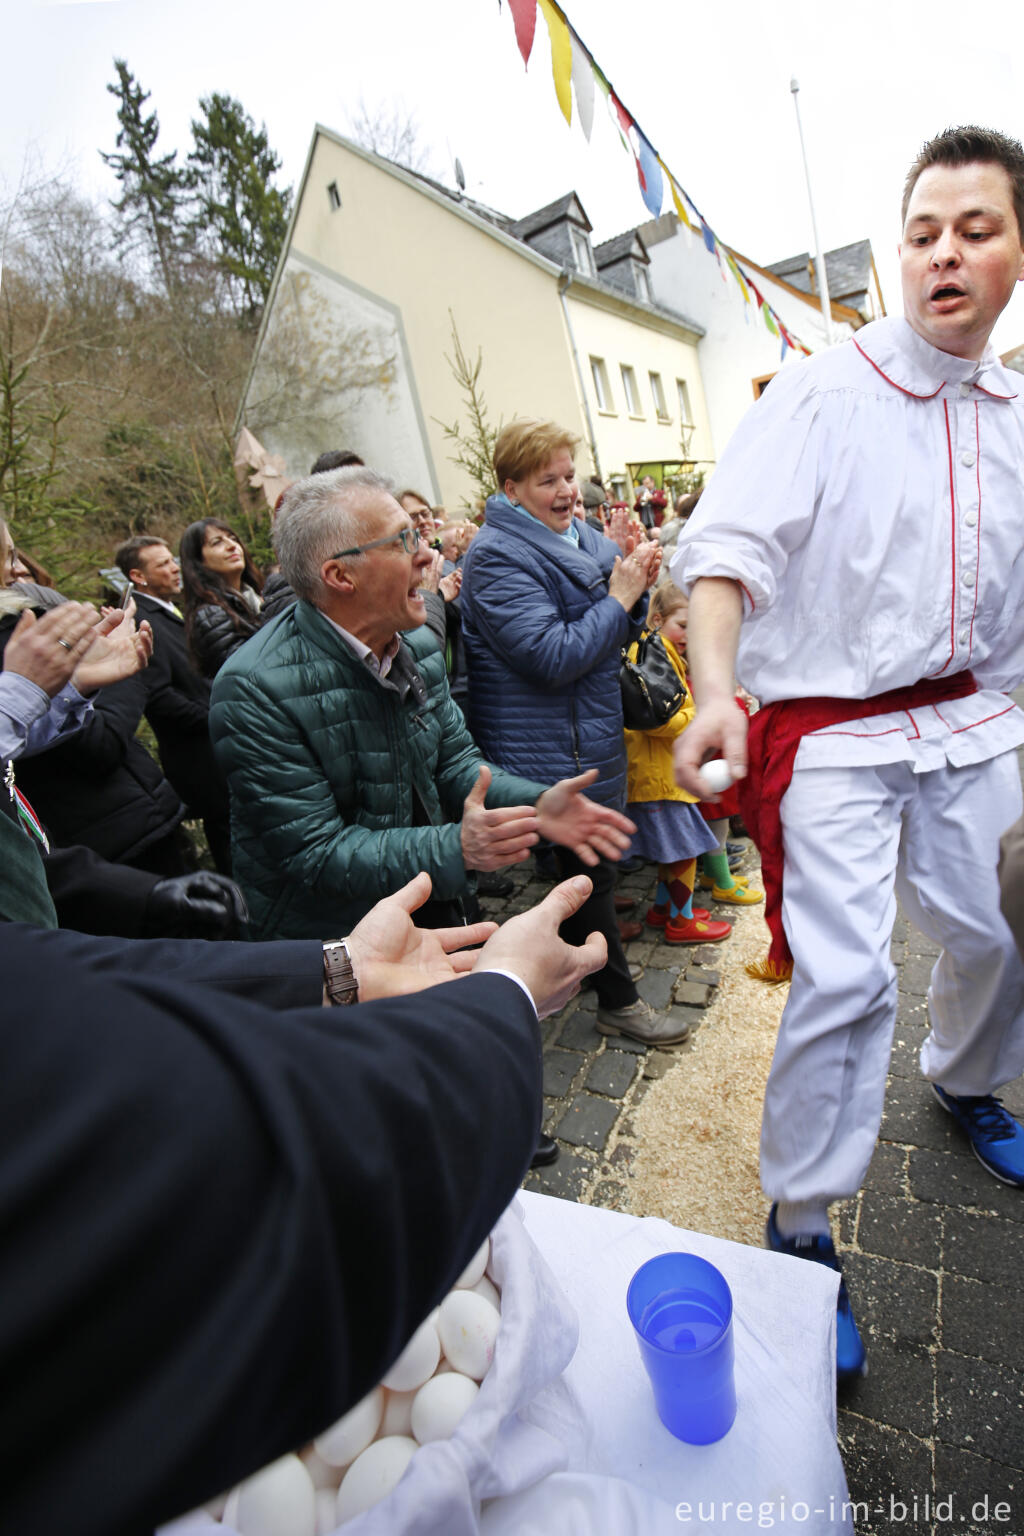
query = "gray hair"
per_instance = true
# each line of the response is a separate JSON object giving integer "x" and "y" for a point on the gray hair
{"x": 318, "y": 516}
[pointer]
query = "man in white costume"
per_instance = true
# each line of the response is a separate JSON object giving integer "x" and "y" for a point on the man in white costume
{"x": 858, "y": 560}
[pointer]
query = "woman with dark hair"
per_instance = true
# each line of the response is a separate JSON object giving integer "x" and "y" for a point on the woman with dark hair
{"x": 221, "y": 593}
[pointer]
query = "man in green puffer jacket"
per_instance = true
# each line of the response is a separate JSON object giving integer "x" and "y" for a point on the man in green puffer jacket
{"x": 350, "y": 768}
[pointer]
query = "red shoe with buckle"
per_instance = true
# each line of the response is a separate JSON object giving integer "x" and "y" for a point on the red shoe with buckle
{"x": 696, "y": 930}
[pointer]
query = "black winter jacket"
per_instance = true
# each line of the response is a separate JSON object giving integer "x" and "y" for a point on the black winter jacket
{"x": 215, "y": 633}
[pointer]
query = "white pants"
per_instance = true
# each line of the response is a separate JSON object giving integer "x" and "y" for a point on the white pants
{"x": 854, "y": 839}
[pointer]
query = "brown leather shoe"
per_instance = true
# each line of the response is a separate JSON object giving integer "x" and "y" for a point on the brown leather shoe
{"x": 625, "y": 903}
{"x": 629, "y": 931}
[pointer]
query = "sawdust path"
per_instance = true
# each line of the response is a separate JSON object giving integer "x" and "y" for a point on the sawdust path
{"x": 697, "y": 1128}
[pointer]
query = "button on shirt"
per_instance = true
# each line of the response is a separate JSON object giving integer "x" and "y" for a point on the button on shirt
{"x": 871, "y": 507}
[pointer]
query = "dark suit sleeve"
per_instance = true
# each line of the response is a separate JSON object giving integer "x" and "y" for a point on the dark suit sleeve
{"x": 221, "y": 1224}
{"x": 281, "y": 973}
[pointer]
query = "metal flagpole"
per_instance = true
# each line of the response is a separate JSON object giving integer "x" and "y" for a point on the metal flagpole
{"x": 826, "y": 303}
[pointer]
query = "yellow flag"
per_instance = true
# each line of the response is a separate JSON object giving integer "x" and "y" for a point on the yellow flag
{"x": 676, "y": 196}
{"x": 561, "y": 55}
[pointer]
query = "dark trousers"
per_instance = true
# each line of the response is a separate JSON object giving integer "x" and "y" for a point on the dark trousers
{"x": 614, "y": 985}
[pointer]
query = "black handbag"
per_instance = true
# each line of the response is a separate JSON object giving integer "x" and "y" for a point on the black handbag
{"x": 651, "y": 688}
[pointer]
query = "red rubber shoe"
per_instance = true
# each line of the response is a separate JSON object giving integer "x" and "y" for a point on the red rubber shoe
{"x": 696, "y": 930}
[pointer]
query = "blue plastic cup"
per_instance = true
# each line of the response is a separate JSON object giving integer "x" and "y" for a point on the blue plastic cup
{"x": 681, "y": 1311}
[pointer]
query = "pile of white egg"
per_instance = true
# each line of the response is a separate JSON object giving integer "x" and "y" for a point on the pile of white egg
{"x": 359, "y": 1460}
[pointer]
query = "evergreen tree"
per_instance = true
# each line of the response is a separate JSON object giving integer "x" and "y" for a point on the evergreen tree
{"x": 152, "y": 187}
{"x": 238, "y": 216}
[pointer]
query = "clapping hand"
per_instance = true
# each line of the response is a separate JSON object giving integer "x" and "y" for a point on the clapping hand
{"x": 48, "y": 650}
{"x": 118, "y": 650}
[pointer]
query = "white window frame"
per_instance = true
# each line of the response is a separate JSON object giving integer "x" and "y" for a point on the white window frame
{"x": 602, "y": 386}
{"x": 644, "y": 284}
{"x": 631, "y": 390}
{"x": 658, "y": 395}
{"x": 583, "y": 258}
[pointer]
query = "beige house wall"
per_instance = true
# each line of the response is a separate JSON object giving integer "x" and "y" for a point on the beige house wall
{"x": 353, "y": 349}
{"x": 619, "y": 339}
{"x": 393, "y": 246}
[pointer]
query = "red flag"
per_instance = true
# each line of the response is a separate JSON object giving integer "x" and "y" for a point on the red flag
{"x": 524, "y": 18}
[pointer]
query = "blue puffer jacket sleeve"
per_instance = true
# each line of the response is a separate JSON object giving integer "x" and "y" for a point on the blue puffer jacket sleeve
{"x": 543, "y": 642}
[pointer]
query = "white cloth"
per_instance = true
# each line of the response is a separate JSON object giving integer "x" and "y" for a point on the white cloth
{"x": 872, "y": 506}
{"x": 854, "y": 839}
{"x": 566, "y": 1443}
{"x": 626, "y": 1474}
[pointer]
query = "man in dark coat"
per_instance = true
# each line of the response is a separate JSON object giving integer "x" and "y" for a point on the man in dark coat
{"x": 177, "y": 698}
{"x": 222, "y": 1222}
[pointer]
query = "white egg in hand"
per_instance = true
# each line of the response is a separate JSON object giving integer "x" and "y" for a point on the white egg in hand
{"x": 468, "y": 1326}
{"x": 439, "y": 1405}
{"x": 353, "y": 1432}
{"x": 717, "y": 775}
{"x": 475, "y": 1268}
{"x": 417, "y": 1360}
{"x": 280, "y": 1500}
{"x": 373, "y": 1475}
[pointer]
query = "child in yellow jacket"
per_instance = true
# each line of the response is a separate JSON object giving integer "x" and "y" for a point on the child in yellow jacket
{"x": 671, "y": 832}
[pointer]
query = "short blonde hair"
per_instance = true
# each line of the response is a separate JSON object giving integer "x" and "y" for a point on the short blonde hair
{"x": 665, "y": 599}
{"x": 526, "y": 445}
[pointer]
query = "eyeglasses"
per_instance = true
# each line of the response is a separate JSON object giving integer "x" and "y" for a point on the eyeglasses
{"x": 407, "y": 537}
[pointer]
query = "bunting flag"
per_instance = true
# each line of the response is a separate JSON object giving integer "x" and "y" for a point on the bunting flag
{"x": 583, "y": 85}
{"x": 649, "y": 171}
{"x": 574, "y": 69}
{"x": 676, "y": 196}
{"x": 524, "y": 19}
{"x": 561, "y": 55}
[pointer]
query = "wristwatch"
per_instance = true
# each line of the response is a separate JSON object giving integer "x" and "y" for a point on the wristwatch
{"x": 340, "y": 982}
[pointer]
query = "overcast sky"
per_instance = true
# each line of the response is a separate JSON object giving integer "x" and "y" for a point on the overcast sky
{"x": 707, "y": 80}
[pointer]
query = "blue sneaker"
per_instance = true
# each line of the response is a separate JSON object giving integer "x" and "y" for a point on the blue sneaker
{"x": 851, "y": 1356}
{"x": 997, "y": 1139}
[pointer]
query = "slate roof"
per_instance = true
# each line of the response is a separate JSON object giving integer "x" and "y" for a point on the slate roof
{"x": 848, "y": 268}
{"x": 567, "y": 207}
{"x": 618, "y": 247}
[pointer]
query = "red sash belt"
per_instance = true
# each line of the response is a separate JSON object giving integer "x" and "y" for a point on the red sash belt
{"x": 774, "y": 738}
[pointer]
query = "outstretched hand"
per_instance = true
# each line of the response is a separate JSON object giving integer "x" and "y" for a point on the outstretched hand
{"x": 494, "y": 838}
{"x": 565, "y": 815}
{"x": 529, "y": 947}
{"x": 391, "y": 956}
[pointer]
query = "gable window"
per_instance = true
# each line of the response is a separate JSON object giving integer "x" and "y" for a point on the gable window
{"x": 643, "y": 284}
{"x": 602, "y": 389}
{"x": 630, "y": 389}
{"x": 333, "y": 196}
{"x": 658, "y": 396}
{"x": 582, "y": 256}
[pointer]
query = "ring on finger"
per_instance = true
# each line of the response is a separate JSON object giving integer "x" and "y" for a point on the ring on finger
{"x": 65, "y": 644}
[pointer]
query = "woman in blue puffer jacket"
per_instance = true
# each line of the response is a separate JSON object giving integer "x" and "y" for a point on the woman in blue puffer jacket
{"x": 547, "y": 605}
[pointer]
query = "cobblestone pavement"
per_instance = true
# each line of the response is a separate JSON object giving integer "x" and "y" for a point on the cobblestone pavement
{"x": 933, "y": 1247}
